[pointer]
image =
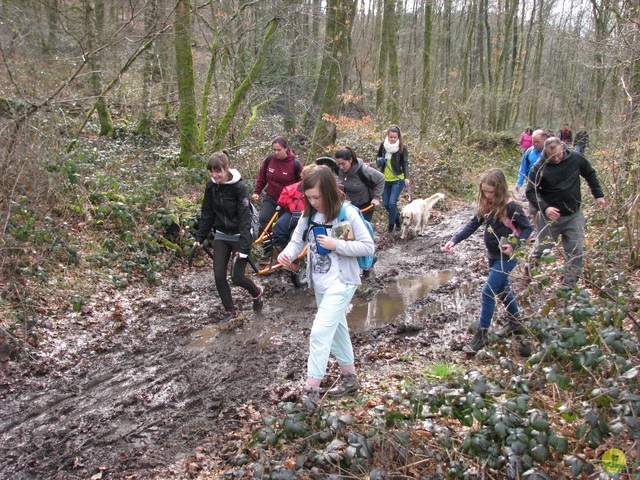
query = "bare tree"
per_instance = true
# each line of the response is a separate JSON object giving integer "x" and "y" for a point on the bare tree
{"x": 187, "y": 119}
{"x": 325, "y": 130}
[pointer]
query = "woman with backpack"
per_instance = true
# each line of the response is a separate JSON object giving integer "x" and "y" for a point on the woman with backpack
{"x": 362, "y": 184}
{"x": 393, "y": 159}
{"x": 277, "y": 171}
{"x": 226, "y": 209}
{"x": 334, "y": 274}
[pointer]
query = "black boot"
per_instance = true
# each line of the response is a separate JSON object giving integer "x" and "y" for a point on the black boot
{"x": 513, "y": 327}
{"x": 478, "y": 342}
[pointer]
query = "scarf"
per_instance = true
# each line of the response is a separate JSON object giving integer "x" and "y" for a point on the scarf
{"x": 390, "y": 148}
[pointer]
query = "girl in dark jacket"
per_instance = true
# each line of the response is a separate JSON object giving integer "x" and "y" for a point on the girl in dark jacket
{"x": 393, "y": 158}
{"x": 503, "y": 218}
{"x": 225, "y": 208}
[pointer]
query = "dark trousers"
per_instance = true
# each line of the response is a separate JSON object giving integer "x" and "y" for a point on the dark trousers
{"x": 222, "y": 251}
{"x": 284, "y": 227}
{"x": 267, "y": 209}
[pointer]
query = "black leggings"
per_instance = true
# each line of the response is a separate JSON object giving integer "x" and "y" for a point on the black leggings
{"x": 267, "y": 209}
{"x": 222, "y": 251}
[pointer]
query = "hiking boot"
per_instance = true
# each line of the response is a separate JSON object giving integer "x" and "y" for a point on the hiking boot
{"x": 347, "y": 383}
{"x": 390, "y": 228}
{"x": 258, "y": 301}
{"x": 514, "y": 326}
{"x": 477, "y": 343}
{"x": 310, "y": 398}
{"x": 230, "y": 320}
{"x": 367, "y": 273}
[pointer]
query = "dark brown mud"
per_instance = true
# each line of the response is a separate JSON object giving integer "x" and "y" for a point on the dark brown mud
{"x": 141, "y": 378}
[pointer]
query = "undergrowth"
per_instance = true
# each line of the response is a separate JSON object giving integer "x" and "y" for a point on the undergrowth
{"x": 547, "y": 416}
{"x": 121, "y": 212}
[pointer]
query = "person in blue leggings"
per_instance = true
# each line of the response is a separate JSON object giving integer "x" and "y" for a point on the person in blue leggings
{"x": 506, "y": 227}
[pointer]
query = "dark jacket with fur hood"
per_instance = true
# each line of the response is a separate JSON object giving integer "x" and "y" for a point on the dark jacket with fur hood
{"x": 225, "y": 208}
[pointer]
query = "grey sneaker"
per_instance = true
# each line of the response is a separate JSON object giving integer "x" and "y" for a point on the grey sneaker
{"x": 310, "y": 398}
{"x": 230, "y": 320}
{"x": 513, "y": 327}
{"x": 347, "y": 383}
{"x": 477, "y": 343}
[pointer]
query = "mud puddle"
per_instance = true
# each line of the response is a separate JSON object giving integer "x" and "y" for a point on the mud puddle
{"x": 392, "y": 302}
{"x": 138, "y": 383}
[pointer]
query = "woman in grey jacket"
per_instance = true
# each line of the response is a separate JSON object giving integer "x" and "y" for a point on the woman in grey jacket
{"x": 362, "y": 184}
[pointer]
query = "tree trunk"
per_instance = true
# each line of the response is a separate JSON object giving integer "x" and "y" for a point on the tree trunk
{"x": 388, "y": 40}
{"x": 187, "y": 118}
{"x": 241, "y": 92}
{"x": 325, "y": 131}
{"x": 601, "y": 21}
{"x": 52, "y": 24}
{"x": 394, "y": 97}
{"x": 537, "y": 65}
{"x": 310, "y": 119}
{"x": 425, "y": 112}
{"x": 94, "y": 28}
{"x": 144, "y": 121}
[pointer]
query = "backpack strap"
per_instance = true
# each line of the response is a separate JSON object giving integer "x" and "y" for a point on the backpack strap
{"x": 366, "y": 181}
{"x": 310, "y": 225}
{"x": 297, "y": 166}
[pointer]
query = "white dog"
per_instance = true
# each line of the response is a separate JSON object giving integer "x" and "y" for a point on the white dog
{"x": 416, "y": 214}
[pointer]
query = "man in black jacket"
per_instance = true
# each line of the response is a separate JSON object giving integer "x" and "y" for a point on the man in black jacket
{"x": 554, "y": 189}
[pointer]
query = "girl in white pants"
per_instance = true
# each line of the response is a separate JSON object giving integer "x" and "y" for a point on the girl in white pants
{"x": 334, "y": 274}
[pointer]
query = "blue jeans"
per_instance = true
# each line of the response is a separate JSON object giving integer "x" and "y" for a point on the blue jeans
{"x": 284, "y": 227}
{"x": 330, "y": 332}
{"x": 497, "y": 285}
{"x": 390, "y": 195}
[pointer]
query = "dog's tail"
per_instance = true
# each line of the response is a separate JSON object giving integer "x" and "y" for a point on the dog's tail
{"x": 433, "y": 199}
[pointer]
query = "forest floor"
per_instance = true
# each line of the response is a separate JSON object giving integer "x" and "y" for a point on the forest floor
{"x": 141, "y": 379}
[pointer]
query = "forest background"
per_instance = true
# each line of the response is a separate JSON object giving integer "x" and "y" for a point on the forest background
{"x": 109, "y": 109}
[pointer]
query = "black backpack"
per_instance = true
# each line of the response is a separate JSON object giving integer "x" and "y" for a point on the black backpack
{"x": 371, "y": 185}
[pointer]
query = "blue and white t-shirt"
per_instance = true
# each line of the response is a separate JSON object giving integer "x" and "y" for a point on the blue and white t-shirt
{"x": 325, "y": 269}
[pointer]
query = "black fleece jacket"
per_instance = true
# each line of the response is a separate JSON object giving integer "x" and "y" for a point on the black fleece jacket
{"x": 558, "y": 184}
{"x": 225, "y": 208}
{"x": 495, "y": 228}
{"x": 399, "y": 161}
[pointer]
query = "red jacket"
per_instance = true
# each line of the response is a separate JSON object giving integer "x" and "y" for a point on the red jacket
{"x": 276, "y": 174}
{"x": 292, "y": 198}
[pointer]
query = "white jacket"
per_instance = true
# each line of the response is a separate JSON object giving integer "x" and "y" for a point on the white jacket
{"x": 347, "y": 250}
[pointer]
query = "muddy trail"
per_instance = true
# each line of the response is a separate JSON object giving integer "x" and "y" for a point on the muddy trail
{"x": 140, "y": 378}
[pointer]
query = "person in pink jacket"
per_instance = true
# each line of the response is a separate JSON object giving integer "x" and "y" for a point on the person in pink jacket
{"x": 526, "y": 140}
